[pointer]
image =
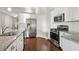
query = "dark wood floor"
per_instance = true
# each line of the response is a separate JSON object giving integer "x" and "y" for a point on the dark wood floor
{"x": 39, "y": 44}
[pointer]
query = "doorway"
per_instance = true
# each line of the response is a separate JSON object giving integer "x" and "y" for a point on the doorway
{"x": 31, "y": 26}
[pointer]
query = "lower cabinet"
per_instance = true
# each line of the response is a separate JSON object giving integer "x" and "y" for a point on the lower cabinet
{"x": 12, "y": 47}
{"x": 17, "y": 45}
{"x": 68, "y": 45}
{"x": 20, "y": 43}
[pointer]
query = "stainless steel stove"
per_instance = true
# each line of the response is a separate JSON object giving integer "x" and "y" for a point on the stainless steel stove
{"x": 55, "y": 32}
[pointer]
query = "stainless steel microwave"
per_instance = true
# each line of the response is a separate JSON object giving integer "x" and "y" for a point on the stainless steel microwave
{"x": 59, "y": 18}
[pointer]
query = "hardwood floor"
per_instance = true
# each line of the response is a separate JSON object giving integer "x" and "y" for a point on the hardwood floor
{"x": 39, "y": 44}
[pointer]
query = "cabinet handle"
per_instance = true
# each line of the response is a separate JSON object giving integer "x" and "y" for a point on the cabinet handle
{"x": 12, "y": 47}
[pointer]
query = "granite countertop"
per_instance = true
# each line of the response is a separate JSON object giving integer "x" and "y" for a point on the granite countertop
{"x": 71, "y": 32}
{"x": 73, "y": 36}
{"x": 5, "y": 41}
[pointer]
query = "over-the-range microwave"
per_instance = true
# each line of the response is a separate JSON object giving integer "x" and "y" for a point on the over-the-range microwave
{"x": 59, "y": 18}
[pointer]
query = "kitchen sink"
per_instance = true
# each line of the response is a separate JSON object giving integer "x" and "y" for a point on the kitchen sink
{"x": 9, "y": 34}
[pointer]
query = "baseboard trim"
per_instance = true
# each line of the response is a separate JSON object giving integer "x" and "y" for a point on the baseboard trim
{"x": 30, "y": 37}
{"x": 36, "y": 37}
{"x": 27, "y": 37}
{"x": 41, "y": 37}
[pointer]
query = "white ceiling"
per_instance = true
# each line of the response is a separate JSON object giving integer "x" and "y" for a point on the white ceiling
{"x": 44, "y": 10}
{"x": 25, "y": 9}
{"x": 30, "y": 10}
{"x": 18, "y": 9}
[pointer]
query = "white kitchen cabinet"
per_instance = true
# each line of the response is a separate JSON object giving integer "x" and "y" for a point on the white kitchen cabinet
{"x": 71, "y": 13}
{"x": 12, "y": 47}
{"x": 67, "y": 14}
{"x": 61, "y": 41}
{"x": 68, "y": 45}
{"x": 57, "y": 11}
{"x": 20, "y": 43}
{"x": 67, "y": 11}
{"x": 74, "y": 13}
{"x": 17, "y": 45}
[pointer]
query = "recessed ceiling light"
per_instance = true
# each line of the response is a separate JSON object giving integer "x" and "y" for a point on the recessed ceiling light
{"x": 9, "y": 9}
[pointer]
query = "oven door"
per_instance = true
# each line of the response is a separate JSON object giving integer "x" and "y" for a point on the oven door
{"x": 54, "y": 36}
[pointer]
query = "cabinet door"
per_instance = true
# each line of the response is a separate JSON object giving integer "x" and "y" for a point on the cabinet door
{"x": 12, "y": 47}
{"x": 57, "y": 11}
{"x": 61, "y": 10}
{"x": 20, "y": 43}
{"x": 66, "y": 12}
{"x": 74, "y": 13}
{"x": 68, "y": 45}
{"x": 61, "y": 43}
{"x": 61, "y": 39}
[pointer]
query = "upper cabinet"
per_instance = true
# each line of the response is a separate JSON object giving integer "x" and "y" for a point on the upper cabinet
{"x": 71, "y": 13}
{"x": 56, "y": 12}
{"x": 65, "y": 10}
{"x": 74, "y": 13}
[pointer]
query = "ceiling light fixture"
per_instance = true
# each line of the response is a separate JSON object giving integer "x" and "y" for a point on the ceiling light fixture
{"x": 9, "y": 9}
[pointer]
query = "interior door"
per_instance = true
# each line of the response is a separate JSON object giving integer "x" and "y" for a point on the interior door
{"x": 32, "y": 29}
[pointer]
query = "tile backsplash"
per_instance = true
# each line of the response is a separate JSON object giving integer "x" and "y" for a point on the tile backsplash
{"x": 73, "y": 26}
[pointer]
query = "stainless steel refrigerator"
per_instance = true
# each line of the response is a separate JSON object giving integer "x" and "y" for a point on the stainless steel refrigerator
{"x": 32, "y": 27}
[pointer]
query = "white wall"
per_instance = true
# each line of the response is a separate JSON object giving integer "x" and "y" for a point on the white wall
{"x": 5, "y": 21}
{"x": 74, "y": 26}
{"x": 22, "y": 21}
{"x": 43, "y": 24}
{"x": 8, "y": 22}
{"x": 0, "y": 25}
